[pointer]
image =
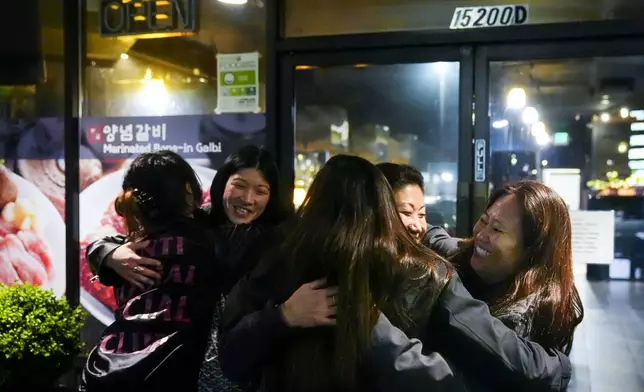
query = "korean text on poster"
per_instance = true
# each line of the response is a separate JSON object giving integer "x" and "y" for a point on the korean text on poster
{"x": 238, "y": 83}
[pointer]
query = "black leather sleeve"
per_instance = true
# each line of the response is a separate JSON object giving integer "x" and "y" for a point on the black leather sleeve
{"x": 252, "y": 326}
{"x": 97, "y": 253}
{"x": 396, "y": 363}
{"x": 473, "y": 340}
{"x": 438, "y": 240}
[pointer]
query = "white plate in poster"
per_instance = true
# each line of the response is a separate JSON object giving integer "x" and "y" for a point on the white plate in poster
{"x": 52, "y": 230}
{"x": 94, "y": 201}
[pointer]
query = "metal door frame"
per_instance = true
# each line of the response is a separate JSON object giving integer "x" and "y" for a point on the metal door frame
{"x": 540, "y": 50}
{"x": 285, "y": 146}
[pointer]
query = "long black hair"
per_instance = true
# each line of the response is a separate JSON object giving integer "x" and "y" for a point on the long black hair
{"x": 158, "y": 189}
{"x": 401, "y": 175}
{"x": 249, "y": 157}
{"x": 546, "y": 266}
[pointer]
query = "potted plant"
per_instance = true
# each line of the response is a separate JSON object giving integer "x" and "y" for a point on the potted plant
{"x": 39, "y": 338}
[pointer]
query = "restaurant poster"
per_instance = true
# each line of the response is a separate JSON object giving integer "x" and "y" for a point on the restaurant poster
{"x": 238, "y": 83}
{"x": 32, "y": 203}
{"x": 32, "y": 188}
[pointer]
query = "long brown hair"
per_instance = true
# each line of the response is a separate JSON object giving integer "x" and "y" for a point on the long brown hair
{"x": 546, "y": 265}
{"x": 348, "y": 230}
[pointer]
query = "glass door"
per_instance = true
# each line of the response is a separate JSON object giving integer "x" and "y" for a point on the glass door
{"x": 401, "y": 106}
{"x": 564, "y": 114}
{"x": 571, "y": 115}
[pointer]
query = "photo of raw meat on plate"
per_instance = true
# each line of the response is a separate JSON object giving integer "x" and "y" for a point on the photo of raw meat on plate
{"x": 32, "y": 236}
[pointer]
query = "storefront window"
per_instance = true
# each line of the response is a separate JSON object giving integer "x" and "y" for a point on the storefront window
{"x": 183, "y": 75}
{"x": 406, "y": 113}
{"x": 32, "y": 182}
{"x": 569, "y": 123}
{"x": 330, "y": 17}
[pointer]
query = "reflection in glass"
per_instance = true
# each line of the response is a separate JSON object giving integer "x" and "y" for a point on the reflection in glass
{"x": 569, "y": 114}
{"x": 171, "y": 75}
{"x": 32, "y": 180}
{"x": 404, "y": 113}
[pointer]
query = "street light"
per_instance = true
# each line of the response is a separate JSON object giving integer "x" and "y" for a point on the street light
{"x": 540, "y": 133}
{"x": 530, "y": 115}
{"x": 622, "y": 148}
{"x": 516, "y": 98}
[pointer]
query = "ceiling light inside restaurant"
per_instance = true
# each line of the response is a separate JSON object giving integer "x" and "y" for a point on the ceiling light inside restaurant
{"x": 530, "y": 115}
{"x": 124, "y": 56}
{"x": 237, "y": 2}
{"x": 605, "y": 117}
{"x": 624, "y": 112}
{"x": 516, "y": 98}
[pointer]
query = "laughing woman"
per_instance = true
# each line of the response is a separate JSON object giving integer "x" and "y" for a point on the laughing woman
{"x": 519, "y": 261}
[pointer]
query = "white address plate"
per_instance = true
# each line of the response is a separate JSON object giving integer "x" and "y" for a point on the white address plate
{"x": 489, "y": 16}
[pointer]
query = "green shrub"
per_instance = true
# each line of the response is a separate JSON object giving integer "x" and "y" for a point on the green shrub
{"x": 39, "y": 336}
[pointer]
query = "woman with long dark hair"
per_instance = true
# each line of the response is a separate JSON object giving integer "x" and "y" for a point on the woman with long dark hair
{"x": 519, "y": 261}
{"x": 348, "y": 232}
{"x": 159, "y": 332}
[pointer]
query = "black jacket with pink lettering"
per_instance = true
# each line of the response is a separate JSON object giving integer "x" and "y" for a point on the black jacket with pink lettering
{"x": 158, "y": 338}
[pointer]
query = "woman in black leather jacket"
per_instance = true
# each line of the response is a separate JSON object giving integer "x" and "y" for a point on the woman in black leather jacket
{"x": 258, "y": 343}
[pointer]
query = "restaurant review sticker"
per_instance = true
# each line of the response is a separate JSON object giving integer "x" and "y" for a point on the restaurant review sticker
{"x": 238, "y": 83}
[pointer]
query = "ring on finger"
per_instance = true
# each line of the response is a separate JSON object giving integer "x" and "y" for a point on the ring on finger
{"x": 137, "y": 268}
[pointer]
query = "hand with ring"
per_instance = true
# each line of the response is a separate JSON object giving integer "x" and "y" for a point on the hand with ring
{"x": 140, "y": 271}
{"x": 312, "y": 305}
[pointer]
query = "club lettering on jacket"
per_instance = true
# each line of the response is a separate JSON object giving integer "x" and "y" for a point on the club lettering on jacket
{"x": 165, "y": 246}
{"x": 136, "y": 342}
{"x": 156, "y": 306}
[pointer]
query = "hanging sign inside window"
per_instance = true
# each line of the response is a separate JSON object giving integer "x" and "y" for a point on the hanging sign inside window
{"x": 148, "y": 19}
{"x": 489, "y": 16}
